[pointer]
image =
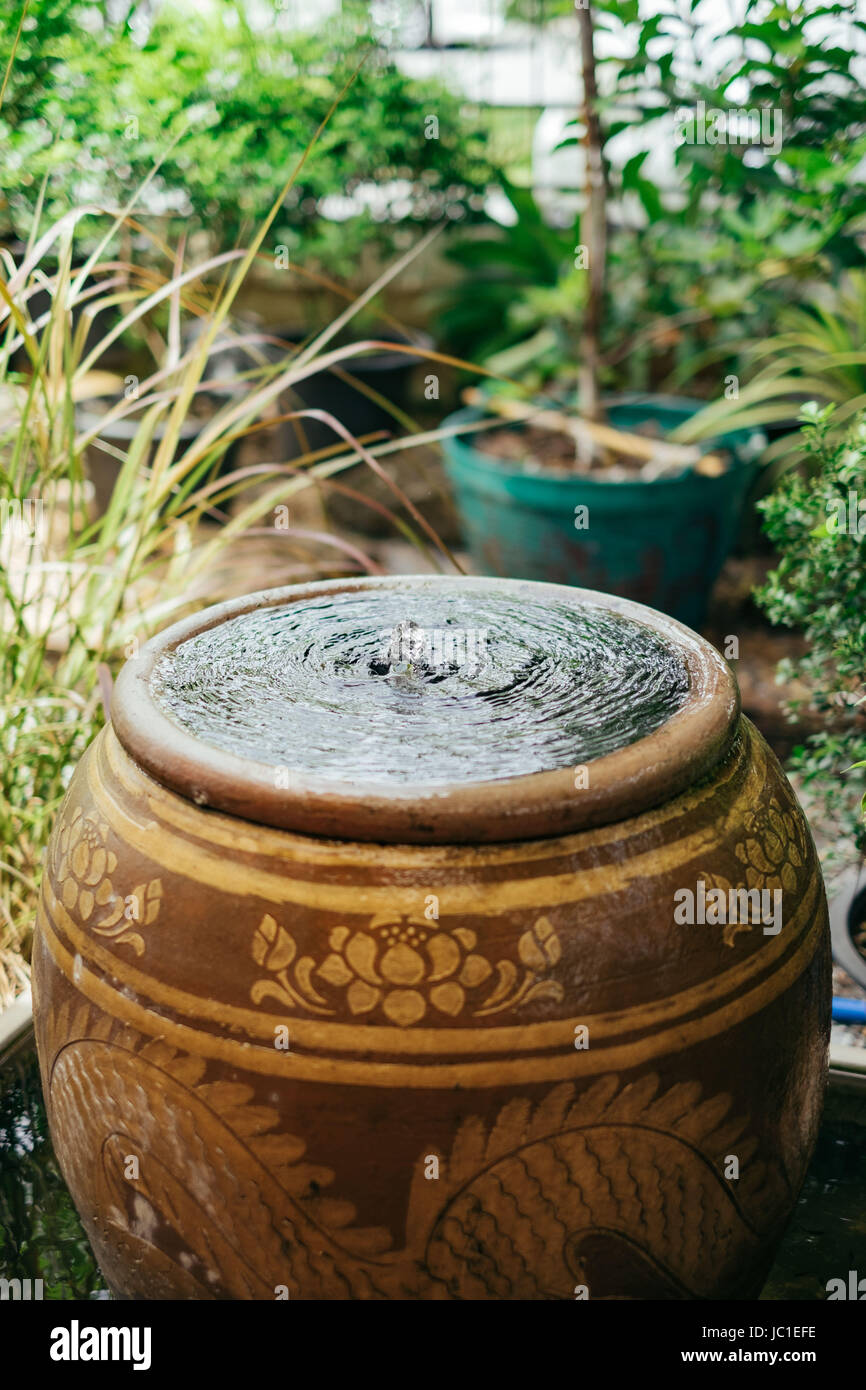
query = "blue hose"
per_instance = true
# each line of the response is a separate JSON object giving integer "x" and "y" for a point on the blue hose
{"x": 849, "y": 1010}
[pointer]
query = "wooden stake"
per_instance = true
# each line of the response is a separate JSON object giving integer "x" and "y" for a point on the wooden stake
{"x": 666, "y": 452}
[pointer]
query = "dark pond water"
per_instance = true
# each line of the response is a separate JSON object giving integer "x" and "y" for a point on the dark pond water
{"x": 42, "y": 1238}
{"x": 415, "y": 685}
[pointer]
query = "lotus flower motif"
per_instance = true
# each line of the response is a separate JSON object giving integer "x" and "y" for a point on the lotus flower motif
{"x": 774, "y": 849}
{"x": 82, "y": 867}
{"x": 408, "y": 967}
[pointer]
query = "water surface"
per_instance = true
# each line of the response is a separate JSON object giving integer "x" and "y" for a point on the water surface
{"x": 420, "y": 686}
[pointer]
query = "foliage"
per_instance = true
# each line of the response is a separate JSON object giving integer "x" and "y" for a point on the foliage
{"x": 779, "y": 59}
{"x": 514, "y": 272}
{"x": 698, "y": 271}
{"x": 524, "y": 314}
{"x": 816, "y": 518}
{"x": 105, "y": 101}
{"x": 818, "y": 352}
{"x": 75, "y": 590}
{"x": 781, "y": 206}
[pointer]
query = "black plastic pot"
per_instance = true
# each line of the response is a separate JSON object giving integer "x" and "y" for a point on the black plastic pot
{"x": 102, "y": 468}
{"x": 387, "y": 373}
{"x": 39, "y": 303}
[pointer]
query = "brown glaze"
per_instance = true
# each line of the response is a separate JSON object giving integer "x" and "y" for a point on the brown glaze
{"x": 431, "y": 997}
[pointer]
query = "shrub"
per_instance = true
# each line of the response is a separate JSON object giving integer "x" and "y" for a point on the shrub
{"x": 817, "y": 520}
{"x": 104, "y": 103}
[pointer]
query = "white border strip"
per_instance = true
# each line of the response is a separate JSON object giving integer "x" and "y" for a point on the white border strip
{"x": 15, "y": 1019}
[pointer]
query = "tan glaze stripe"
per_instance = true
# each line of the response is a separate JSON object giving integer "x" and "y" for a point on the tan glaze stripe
{"x": 200, "y": 864}
{"x": 227, "y": 832}
{"x": 336, "y": 1037}
{"x": 570, "y": 1065}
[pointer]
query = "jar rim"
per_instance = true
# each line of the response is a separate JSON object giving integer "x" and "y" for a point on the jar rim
{"x": 623, "y": 783}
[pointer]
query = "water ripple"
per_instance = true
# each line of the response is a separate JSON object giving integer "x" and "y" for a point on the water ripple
{"x": 415, "y": 686}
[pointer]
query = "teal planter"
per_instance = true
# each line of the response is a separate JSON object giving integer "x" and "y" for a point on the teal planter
{"x": 662, "y": 543}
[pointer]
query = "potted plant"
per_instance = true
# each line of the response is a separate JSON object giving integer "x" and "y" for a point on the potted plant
{"x": 692, "y": 277}
{"x": 624, "y": 509}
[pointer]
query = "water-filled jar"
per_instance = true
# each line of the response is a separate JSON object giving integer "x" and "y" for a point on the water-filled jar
{"x": 431, "y": 938}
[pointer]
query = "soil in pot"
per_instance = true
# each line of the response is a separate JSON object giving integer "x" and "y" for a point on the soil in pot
{"x": 537, "y": 449}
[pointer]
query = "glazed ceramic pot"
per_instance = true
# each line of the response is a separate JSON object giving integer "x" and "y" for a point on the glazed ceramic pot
{"x": 388, "y": 949}
{"x": 661, "y": 542}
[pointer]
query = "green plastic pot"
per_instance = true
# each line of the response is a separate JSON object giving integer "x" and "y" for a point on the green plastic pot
{"x": 662, "y": 543}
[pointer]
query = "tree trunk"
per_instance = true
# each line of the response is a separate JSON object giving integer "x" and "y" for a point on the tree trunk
{"x": 593, "y": 225}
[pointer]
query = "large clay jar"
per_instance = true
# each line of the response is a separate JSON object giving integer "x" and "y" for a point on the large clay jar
{"x": 373, "y": 968}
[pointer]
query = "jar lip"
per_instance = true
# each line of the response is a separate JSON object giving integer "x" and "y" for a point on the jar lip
{"x": 621, "y": 784}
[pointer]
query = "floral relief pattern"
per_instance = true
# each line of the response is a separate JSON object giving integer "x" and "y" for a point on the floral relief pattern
{"x": 774, "y": 850}
{"x": 407, "y": 967}
{"x": 82, "y": 868}
{"x": 774, "y": 854}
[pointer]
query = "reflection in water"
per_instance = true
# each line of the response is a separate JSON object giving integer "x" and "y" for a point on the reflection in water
{"x": 41, "y": 1236}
